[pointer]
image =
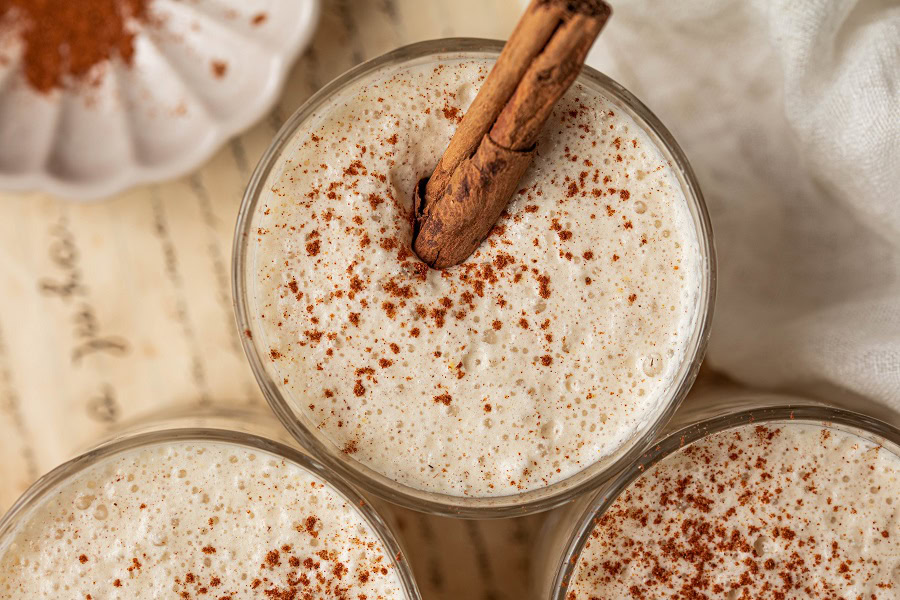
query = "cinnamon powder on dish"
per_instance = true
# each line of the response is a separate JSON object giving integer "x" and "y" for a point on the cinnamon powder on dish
{"x": 63, "y": 41}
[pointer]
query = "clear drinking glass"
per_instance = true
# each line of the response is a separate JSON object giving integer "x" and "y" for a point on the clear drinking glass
{"x": 360, "y": 474}
{"x": 247, "y": 428}
{"x": 566, "y": 532}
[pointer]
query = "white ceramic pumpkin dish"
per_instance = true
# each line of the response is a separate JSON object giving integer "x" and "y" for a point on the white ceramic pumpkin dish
{"x": 202, "y": 71}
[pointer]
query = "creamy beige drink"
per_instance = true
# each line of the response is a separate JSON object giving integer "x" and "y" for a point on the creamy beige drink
{"x": 550, "y": 348}
{"x": 761, "y": 511}
{"x": 195, "y": 519}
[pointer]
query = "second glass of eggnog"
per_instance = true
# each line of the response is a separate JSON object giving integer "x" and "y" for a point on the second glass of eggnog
{"x": 198, "y": 505}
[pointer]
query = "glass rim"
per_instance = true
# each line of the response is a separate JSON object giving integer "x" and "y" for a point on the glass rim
{"x": 810, "y": 414}
{"x": 52, "y": 480}
{"x": 446, "y": 504}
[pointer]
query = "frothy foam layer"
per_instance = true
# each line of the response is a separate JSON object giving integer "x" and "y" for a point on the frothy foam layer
{"x": 546, "y": 351}
{"x": 196, "y": 520}
{"x": 778, "y": 511}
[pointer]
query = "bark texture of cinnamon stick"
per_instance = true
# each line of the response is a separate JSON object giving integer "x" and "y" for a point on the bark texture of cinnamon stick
{"x": 455, "y": 209}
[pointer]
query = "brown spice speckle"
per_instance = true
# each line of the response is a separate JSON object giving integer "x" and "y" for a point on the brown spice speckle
{"x": 444, "y": 399}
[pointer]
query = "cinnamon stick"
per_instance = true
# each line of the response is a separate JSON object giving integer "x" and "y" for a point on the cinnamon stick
{"x": 455, "y": 209}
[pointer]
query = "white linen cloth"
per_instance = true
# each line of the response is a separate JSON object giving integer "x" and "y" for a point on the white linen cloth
{"x": 789, "y": 111}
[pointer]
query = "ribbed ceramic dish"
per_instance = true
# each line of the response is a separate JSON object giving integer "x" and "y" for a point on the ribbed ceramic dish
{"x": 204, "y": 71}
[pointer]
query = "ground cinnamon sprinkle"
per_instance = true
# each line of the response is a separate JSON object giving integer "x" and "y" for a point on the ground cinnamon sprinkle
{"x": 64, "y": 41}
{"x": 219, "y": 68}
{"x": 787, "y": 512}
{"x": 444, "y": 399}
